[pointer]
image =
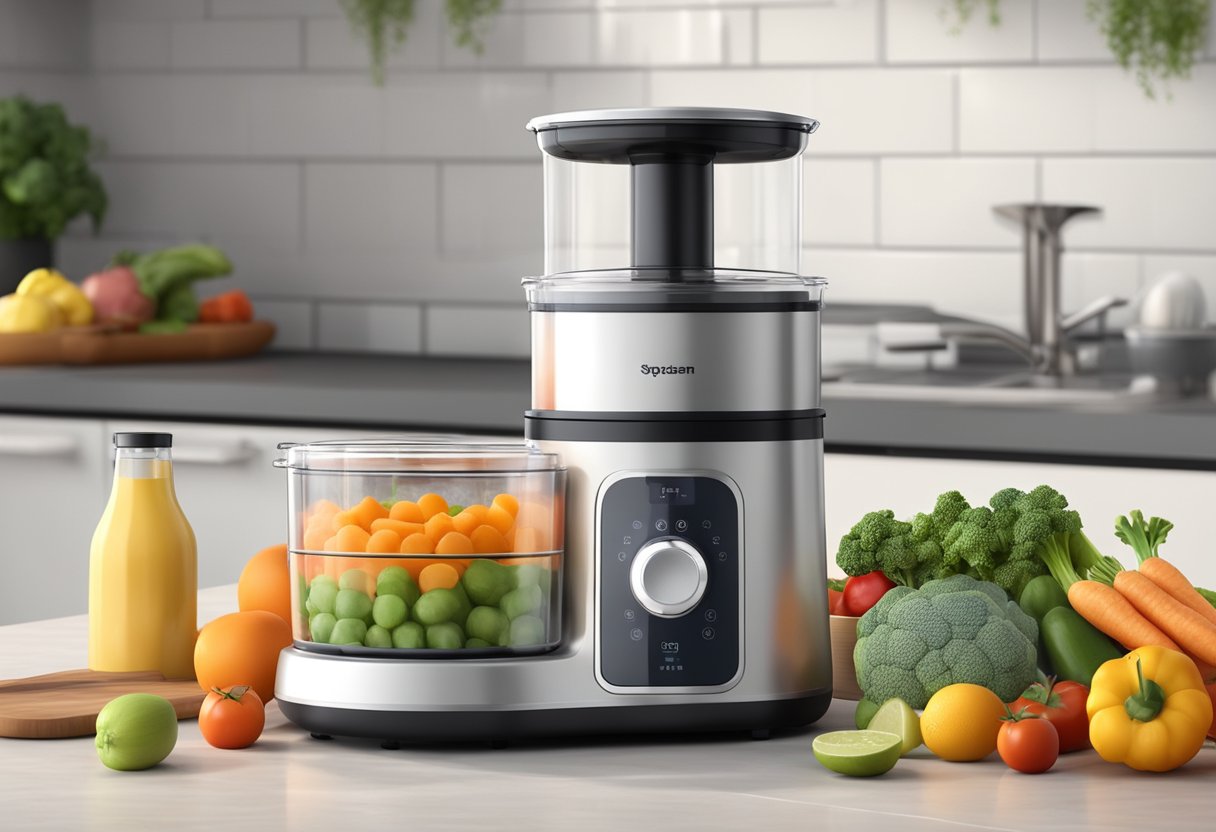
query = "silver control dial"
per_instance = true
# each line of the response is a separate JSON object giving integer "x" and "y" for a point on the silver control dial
{"x": 668, "y": 577}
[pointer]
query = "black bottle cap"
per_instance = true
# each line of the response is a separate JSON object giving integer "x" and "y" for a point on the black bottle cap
{"x": 143, "y": 440}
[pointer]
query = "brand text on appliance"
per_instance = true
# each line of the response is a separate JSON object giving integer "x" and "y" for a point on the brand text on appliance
{"x": 669, "y": 370}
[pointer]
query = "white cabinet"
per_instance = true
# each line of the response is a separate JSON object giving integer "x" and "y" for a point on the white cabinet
{"x": 856, "y": 484}
{"x": 52, "y": 491}
{"x": 233, "y": 496}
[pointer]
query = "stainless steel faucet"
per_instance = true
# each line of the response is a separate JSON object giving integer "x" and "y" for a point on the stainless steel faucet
{"x": 1046, "y": 325}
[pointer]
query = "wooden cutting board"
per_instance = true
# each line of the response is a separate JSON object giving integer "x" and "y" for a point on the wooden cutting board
{"x": 66, "y": 704}
{"x": 105, "y": 345}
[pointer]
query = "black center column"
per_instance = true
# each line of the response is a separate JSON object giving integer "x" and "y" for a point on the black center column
{"x": 673, "y": 212}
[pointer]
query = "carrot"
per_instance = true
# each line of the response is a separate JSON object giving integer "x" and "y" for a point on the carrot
{"x": 1114, "y": 615}
{"x": 1167, "y": 576}
{"x": 1193, "y": 633}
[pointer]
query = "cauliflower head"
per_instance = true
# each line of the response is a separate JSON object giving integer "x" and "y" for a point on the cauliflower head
{"x": 914, "y": 642}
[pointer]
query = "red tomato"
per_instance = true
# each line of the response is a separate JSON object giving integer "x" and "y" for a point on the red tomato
{"x": 1063, "y": 705}
{"x": 834, "y": 597}
{"x": 232, "y": 718}
{"x": 862, "y": 592}
{"x": 1029, "y": 745}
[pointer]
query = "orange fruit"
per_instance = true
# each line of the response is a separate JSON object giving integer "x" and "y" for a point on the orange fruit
{"x": 507, "y": 503}
{"x": 417, "y": 544}
{"x": 401, "y": 527}
{"x": 500, "y": 518}
{"x": 241, "y": 648}
{"x": 265, "y": 583}
{"x": 465, "y": 522}
{"x": 961, "y": 722}
{"x": 438, "y": 576}
{"x": 407, "y": 512}
{"x": 351, "y": 538}
{"x": 454, "y": 543}
{"x": 439, "y": 525}
{"x": 488, "y": 540}
{"x": 383, "y": 542}
{"x": 432, "y": 504}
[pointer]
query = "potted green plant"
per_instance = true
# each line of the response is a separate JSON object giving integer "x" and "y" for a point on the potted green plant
{"x": 45, "y": 183}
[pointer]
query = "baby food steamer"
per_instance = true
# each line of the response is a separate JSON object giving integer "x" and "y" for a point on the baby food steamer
{"x": 675, "y": 374}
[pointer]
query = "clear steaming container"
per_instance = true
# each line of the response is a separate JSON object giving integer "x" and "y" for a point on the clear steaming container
{"x": 405, "y": 548}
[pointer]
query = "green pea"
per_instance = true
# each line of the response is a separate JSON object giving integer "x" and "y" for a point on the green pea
{"x": 322, "y": 595}
{"x": 527, "y": 631}
{"x": 487, "y": 623}
{"x": 321, "y": 626}
{"x": 446, "y": 636}
{"x": 302, "y": 593}
{"x": 348, "y": 631}
{"x": 389, "y": 611}
{"x": 476, "y": 644}
{"x": 527, "y": 574}
{"x": 377, "y": 636}
{"x": 393, "y": 573}
{"x": 436, "y": 607}
{"x": 409, "y": 635}
{"x": 466, "y": 606}
{"x": 521, "y": 601}
{"x": 406, "y": 589}
{"x": 355, "y": 579}
{"x": 486, "y": 582}
{"x": 351, "y": 603}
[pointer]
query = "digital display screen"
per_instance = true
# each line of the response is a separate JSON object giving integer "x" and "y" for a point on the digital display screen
{"x": 671, "y": 492}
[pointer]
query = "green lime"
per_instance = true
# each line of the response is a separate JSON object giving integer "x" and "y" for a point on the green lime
{"x": 897, "y": 717}
{"x": 857, "y": 753}
{"x": 864, "y": 713}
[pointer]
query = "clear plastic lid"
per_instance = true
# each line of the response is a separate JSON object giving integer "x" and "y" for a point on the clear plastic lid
{"x": 671, "y": 289}
{"x": 415, "y": 455}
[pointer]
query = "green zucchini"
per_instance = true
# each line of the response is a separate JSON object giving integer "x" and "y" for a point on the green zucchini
{"x": 1041, "y": 595}
{"x": 1076, "y": 648}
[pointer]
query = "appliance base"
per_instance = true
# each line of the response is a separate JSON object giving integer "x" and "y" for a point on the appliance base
{"x": 491, "y": 726}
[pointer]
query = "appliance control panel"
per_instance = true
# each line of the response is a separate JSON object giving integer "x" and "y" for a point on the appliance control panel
{"x": 669, "y": 562}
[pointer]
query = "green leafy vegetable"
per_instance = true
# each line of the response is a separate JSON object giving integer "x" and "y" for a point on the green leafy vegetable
{"x": 1207, "y": 594}
{"x": 1143, "y": 536}
{"x": 1157, "y": 39}
{"x": 383, "y": 24}
{"x": 45, "y": 179}
{"x": 167, "y": 277}
{"x": 465, "y": 16}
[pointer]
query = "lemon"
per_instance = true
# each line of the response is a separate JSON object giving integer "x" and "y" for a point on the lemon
{"x": 857, "y": 753}
{"x": 897, "y": 717}
{"x": 961, "y": 722}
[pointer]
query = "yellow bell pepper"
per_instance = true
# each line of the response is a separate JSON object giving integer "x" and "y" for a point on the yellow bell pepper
{"x": 1148, "y": 710}
{"x": 66, "y": 295}
{"x": 28, "y": 313}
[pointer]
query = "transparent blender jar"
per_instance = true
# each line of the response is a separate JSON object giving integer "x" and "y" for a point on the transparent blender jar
{"x": 401, "y": 548}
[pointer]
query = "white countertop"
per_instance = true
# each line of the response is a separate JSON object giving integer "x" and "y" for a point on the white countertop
{"x": 290, "y": 781}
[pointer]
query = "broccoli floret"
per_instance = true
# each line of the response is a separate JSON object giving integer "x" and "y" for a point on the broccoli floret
{"x": 878, "y": 542}
{"x": 912, "y": 643}
{"x": 975, "y": 543}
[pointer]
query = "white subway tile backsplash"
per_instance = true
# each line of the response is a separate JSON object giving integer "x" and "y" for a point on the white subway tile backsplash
{"x": 662, "y": 38}
{"x": 740, "y": 31}
{"x": 275, "y": 8}
{"x": 539, "y": 39}
{"x": 331, "y": 44}
{"x": 50, "y": 34}
{"x": 292, "y": 319}
{"x": 219, "y": 201}
{"x": 1082, "y": 109}
{"x": 310, "y": 115}
{"x": 948, "y": 202}
{"x": 145, "y": 10}
{"x": 499, "y": 331}
{"x": 130, "y": 44}
{"x": 1085, "y": 277}
{"x": 1146, "y": 203}
{"x": 231, "y": 44}
{"x": 838, "y": 201}
{"x": 926, "y": 31}
{"x": 591, "y": 90}
{"x": 374, "y": 206}
{"x": 367, "y": 327}
{"x": 843, "y": 33}
{"x": 1065, "y": 33}
{"x": 984, "y": 285}
{"x": 489, "y": 208}
{"x": 861, "y": 110}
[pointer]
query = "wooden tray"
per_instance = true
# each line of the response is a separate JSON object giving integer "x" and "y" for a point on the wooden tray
{"x": 844, "y": 639}
{"x": 66, "y": 704}
{"x": 102, "y": 345}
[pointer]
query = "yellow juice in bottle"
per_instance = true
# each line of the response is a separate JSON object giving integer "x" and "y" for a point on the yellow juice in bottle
{"x": 143, "y": 567}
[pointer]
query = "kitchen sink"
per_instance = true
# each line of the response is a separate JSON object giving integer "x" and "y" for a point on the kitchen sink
{"x": 983, "y": 385}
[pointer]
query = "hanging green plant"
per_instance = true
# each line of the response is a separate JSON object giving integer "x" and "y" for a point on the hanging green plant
{"x": 1157, "y": 39}
{"x": 383, "y": 24}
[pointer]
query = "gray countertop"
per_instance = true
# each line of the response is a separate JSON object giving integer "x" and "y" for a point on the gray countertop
{"x": 490, "y": 396}
{"x": 289, "y": 781}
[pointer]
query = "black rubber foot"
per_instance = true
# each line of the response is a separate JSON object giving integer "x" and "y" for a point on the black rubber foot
{"x": 498, "y": 745}
{"x": 761, "y": 734}
{"x": 317, "y": 736}
{"x": 390, "y": 745}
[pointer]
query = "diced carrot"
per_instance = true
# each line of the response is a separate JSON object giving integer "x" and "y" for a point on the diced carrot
{"x": 432, "y": 504}
{"x": 454, "y": 543}
{"x": 402, "y": 528}
{"x": 438, "y": 525}
{"x": 500, "y": 518}
{"x": 465, "y": 522}
{"x": 352, "y": 538}
{"x": 407, "y": 511}
{"x": 488, "y": 540}
{"x": 438, "y": 576}
{"x": 417, "y": 544}
{"x": 384, "y": 541}
{"x": 507, "y": 503}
